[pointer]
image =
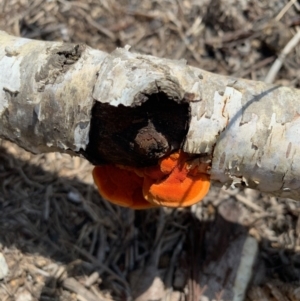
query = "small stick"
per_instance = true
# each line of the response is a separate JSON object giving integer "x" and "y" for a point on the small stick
{"x": 278, "y": 63}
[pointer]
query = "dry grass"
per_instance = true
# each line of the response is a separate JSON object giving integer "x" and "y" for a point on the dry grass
{"x": 61, "y": 240}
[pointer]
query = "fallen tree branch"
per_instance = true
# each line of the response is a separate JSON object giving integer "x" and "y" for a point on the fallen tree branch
{"x": 132, "y": 109}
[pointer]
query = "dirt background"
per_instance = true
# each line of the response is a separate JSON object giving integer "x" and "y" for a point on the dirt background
{"x": 61, "y": 241}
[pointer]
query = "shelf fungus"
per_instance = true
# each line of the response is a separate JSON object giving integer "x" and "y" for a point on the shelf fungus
{"x": 175, "y": 182}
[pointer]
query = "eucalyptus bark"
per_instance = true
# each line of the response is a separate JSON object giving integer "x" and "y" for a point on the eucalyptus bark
{"x": 133, "y": 109}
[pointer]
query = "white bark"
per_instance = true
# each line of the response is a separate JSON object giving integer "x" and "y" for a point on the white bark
{"x": 250, "y": 131}
{"x": 46, "y": 93}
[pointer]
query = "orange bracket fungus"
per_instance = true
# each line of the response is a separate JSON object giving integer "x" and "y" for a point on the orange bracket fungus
{"x": 175, "y": 182}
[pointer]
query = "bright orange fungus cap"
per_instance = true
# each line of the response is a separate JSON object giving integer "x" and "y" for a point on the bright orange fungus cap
{"x": 173, "y": 183}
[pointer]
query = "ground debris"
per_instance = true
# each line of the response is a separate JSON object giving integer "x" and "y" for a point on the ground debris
{"x": 3, "y": 267}
{"x": 61, "y": 241}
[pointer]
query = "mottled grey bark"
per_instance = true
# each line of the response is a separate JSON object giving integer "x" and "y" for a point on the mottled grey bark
{"x": 248, "y": 131}
{"x": 46, "y": 93}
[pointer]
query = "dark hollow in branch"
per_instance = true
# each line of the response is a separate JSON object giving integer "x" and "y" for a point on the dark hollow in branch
{"x": 137, "y": 136}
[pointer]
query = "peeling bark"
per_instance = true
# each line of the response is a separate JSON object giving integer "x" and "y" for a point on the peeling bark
{"x": 45, "y": 93}
{"x": 61, "y": 97}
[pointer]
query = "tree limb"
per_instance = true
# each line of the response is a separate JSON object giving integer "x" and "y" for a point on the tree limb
{"x": 133, "y": 109}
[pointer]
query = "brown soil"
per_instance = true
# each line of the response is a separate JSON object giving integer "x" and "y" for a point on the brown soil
{"x": 61, "y": 240}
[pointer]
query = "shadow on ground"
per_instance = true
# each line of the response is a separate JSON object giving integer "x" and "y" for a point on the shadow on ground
{"x": 73, "y": 241}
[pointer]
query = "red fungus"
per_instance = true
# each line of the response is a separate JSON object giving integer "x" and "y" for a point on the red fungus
{"x": 121, "y": 187}
{"x": 180, "y": 186}
{"x": 173, "y": 183}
